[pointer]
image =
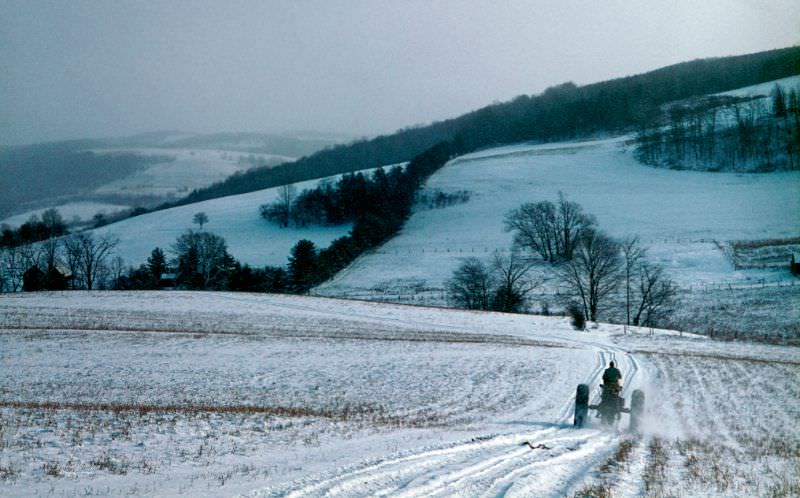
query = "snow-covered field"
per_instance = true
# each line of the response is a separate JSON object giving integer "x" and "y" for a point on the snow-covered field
{"x": 222, "y": 394}
{"x": 680, "y": 215}
{"x": 219, "y": 394}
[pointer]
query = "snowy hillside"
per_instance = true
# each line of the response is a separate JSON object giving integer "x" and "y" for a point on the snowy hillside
{"x": 220, "y": 394}
{"x": 190, "y": 169}
{"x": 683, "y": 216}
{"x": 765, "y": 89}
{"x": 250, "y": 238}
{"x": 72, "y": 212}
{"x": 689, "y": 219}
{"x": 157, "y": 182}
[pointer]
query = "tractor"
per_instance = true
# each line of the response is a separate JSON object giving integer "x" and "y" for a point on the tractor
{"x": 610, "y": 408}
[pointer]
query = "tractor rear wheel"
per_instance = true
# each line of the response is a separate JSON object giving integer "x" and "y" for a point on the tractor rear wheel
{"x": 581, "y": 405}
{"x": 637, "y": 410}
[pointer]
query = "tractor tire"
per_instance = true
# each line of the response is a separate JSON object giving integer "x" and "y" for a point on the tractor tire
{"x": 581, "y": 405}
{"x": 637, "y": 410}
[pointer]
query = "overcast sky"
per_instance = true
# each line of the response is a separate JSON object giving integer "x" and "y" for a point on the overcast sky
{"x": 74, "y": 68}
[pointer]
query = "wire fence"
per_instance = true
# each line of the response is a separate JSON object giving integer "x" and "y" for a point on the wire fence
{"x": 442, "y": 250}
{"x": 470, "y": 249}
{"x": 428, "y": 294}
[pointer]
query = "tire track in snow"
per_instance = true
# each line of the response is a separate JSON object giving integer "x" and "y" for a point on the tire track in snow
{"x": 393, "y": 470}
{"x": 438, "y": 470}
{"x": 561, "y": 471}
{"x": 485, "y": 474}
{"x": 541, "y": 461}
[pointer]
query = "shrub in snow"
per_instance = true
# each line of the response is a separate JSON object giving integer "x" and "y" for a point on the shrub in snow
{"x": 578, "y": 318}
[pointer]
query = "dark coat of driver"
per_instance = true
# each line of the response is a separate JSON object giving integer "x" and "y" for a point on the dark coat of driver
{"x": 612, "y": 375}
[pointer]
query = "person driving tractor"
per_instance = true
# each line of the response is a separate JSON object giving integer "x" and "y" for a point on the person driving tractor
{"x": 612, "y": 403}
{"x": 612, "y": 377}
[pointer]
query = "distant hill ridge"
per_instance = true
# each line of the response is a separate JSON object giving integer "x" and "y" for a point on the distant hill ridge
{"x": 561, "y": 112}
{"x": 93, "y": 163}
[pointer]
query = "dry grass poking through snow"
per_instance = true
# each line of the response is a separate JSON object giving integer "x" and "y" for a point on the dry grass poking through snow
{"x": 146, "y": 413}
{"x": 724, "y": 426}
{"x": 735, "y": 430}
{"x": 607, "y": 476}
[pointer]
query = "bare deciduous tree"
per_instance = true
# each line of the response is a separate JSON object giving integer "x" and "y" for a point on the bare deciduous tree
{"x": 3, "y": 271}
{"x": 593, "y": 272}
{"x": 632, "y": 253}
{"x": 656, "y": 295}
{"x": 117, "y": 270}
{"x": 28, "y": 256}
{"x": 53, "y": 222}
{"x": 471, "y": 285}
{"x": 280, "y": 211}
{"x": 14, "y": 264}
{"x": 503, "y": 285}
{"x": 88, "y": 254}
{"x": 18, "y": 261}
{"x": 49, "y": 252}
{"x": 513, "y": 281}
{"x": 286, "y": 194}
{"x": 571, "y": 220}
{"x": 202, "y": 259}
{"x": 72, "y": 254}
{"x": 534, "y": 227}
{"x": 200, "y": 219}
{"x": 547, "y": 229}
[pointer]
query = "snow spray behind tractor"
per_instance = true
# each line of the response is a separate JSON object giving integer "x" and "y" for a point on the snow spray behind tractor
{"x": 610, "y": 408}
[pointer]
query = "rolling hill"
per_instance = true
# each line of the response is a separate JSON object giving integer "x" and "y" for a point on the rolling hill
{"x": 689, "y": 220}
{"x": 84, "y": 177}
{"x": 562, "y": 112}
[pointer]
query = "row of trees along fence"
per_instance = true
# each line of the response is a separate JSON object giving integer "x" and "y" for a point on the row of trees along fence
{"x": 591, "y": 264}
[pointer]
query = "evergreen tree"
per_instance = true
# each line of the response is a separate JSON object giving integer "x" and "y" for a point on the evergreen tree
{"x": 275, "y": 279}
{"x": 246, "y": 279}
{"x": 303, "y": 266}
{"x": 157, "y": 264}
{"x": 188, "y": 262}
{"x": 778, "y": 102}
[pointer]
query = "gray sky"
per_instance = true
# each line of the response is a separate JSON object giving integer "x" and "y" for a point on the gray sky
{"x": 75, "y": 68}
